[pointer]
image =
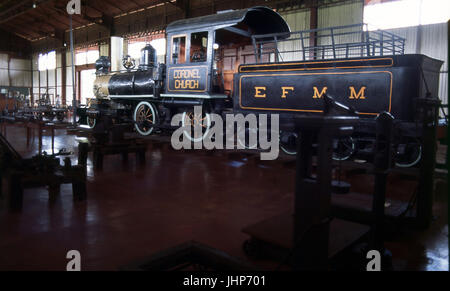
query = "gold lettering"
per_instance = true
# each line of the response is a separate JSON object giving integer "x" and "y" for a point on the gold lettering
{"x": 360, "y": 94}
{"x": 317, "y": 94}
{"x": 285, "y": 91}
{"x": 259, "y": 92}
{"x": 186, "y": 84}
{"x": 186, "y": 74}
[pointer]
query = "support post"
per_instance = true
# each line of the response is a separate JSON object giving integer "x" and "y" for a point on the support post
{"x": 311, "y": 212}
{"x": 313, "y": 34}
{"x": 382, "y": 163}
{"x": 63, "y": 77}
{"x": 74, "y": 96}
{"x": 428, "y": 109}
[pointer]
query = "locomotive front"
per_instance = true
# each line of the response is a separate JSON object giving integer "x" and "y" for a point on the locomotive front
{"x": 130, "y": 83}
{"x": 117, "y": 94}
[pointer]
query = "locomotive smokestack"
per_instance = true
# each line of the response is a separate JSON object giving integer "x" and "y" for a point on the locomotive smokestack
{"x": 148, "y": 58}
{"x": 102, "y": 65}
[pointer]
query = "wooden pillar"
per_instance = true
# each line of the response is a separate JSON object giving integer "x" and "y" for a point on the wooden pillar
{"x": 187, "y": 9}
{"x": 313, "y": 25}
{"x": 56, "y": 79}
{"x": 63, "y": 76}
{"x": 39, "y": 80}
{"x": 32, "y": 82}
{"x": 9, "y": 71}
{"x": 46, "y": 83}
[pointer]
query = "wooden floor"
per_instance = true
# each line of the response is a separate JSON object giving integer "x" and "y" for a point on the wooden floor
{"x": 132, "y": 211}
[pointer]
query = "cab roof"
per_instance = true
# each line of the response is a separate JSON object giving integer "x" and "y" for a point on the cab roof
{"x": 261, "y": 20}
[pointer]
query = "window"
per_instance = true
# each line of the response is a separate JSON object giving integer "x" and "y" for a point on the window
{"x": 179, "y": 49}
{"x": 47, "y": 61}
{"x": 87, "y": 57}
{"x": 382, "y": 14}
{"x": 87, "y": 79}
{"x": 159, "y": 45}
{"x": 199, "y": 45}
{"x": 134, "y": 49}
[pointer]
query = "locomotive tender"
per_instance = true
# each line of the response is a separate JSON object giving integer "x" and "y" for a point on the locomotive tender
{"x": 235, "y": 61}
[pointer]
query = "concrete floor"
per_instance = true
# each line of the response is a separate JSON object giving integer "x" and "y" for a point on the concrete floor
{"x": 132, "y": 212}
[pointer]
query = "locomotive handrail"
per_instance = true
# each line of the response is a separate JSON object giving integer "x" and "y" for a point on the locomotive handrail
{"x": 346, "y": 41}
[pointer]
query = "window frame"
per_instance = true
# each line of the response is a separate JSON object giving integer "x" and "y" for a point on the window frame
{"x": 186, "y": 56}
{"x": 207, "y": 45}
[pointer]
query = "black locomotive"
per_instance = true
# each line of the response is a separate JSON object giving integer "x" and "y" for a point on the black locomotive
{"x": 237, "y": 61}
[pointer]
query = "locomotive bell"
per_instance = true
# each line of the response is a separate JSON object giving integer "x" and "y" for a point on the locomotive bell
{"x": 148, "y": 58}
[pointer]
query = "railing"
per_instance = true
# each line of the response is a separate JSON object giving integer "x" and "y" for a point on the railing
{"x": 326, "y": 43}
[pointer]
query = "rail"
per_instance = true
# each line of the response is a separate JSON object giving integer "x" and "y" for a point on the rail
{"x": 326, "y": 43}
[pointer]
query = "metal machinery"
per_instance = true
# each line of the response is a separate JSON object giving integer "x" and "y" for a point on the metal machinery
{"x": 249, "y": 61}
{"x": 42, "y": 109}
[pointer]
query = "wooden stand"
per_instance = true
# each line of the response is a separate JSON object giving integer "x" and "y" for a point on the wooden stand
{"x": 273, "y": 238}
{"x": 38, "y": 171}
{"x": 31, "y": 128}
{"x": 370, "y": 209}
{"x": 17, "y": 181}
{"x": 124, "y": 148}
{"x": 310, "y": 235}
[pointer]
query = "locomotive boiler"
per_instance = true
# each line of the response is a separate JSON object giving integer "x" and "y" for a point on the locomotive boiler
{"x": 248, "y": 61}
{"x": 140, "y": 82}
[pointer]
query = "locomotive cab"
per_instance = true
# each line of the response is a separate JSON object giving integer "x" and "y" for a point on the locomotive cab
{"x": 203, "y": 53}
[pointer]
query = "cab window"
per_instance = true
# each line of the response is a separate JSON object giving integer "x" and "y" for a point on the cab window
{"x": 179, "y": 49}
{"x": 199, "y": 47}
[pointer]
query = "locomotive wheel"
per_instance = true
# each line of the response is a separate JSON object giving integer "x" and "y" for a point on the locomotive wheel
{"x": 144, "y": 118}
{"x": 408, "y": 154}
{"x": 91, "y": 122}
{"x": 288, "y": 143}
{"x": 343, "y": 148}
{"x": 192, "y": 120}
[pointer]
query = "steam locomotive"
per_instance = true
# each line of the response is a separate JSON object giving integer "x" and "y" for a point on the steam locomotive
{"x": 234, "y": 62}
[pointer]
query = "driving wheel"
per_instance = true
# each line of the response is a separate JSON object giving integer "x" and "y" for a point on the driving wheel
{"x": 144, "y": 118}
